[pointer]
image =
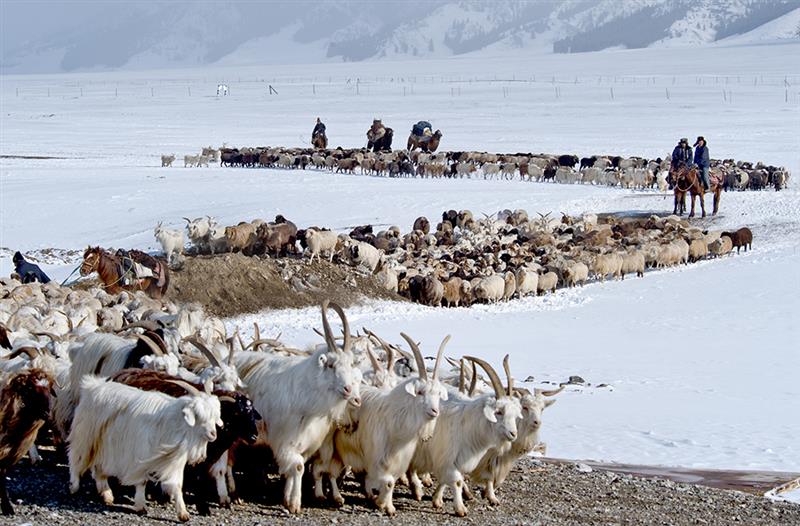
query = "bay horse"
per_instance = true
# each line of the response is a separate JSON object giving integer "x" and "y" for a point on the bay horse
{"x": 688, "y": 180}
{"x": 426, "y": 144}
{"x": 110, "y": 269}
{"x": 319, "y": 141}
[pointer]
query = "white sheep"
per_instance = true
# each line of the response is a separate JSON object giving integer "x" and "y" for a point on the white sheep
{"x": 547, "y": 282}
{"x": 320, "y": 241}
{"x": 605, "y": 264}
{"x": 364, "y": 254}
{"x": 576, "y": 273}
{"x": 527, "y": 281}
{"x": 633, "y": 261}
{"x": 490, "y": 289}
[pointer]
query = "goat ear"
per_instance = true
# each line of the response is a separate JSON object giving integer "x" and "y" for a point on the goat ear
{"x": 444, "y": 396}
{"x": 188, "y": 415}
{"x": 488, "y": 412}
{"x": 548, "y": 403}
{"x": 323, "y": 359}
{"x": 411, "y": 388}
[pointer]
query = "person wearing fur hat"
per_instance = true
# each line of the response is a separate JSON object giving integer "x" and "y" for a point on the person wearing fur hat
{"x": 702, "y": 160}
{"x": 682, "y": 154}
{"x": 28, "y": 272}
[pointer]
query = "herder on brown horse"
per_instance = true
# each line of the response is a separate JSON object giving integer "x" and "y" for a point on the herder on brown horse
{"x": 687, "y": 179}
{"x": 319, "y": 139}
{"x": 118, "y": 271}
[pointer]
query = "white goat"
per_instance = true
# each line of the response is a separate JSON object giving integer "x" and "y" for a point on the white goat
{"x": 300, "y": 398}
{"x": 136, "y": 436}
{"x": 320, "y": 241}
{"x": 171, "y": 241}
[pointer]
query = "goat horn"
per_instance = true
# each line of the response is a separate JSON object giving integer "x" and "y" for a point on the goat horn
{"x": 421, "y": 371}
{"x": 462, "y": 376}
{"x": 194, "y": 340}
{"x": 346, "y": 343}
{"x": 187, "y": 219}
{"x": 439, "y": 356}
{"x": 264, "y": 341}
{"x": 473, "y": 384}
{"x": 32, "y": 352}
{"x": 495, "y": 379}
{"x": 50, "y": 335}
{"x": 239, "y": 339}
{"x": 257, "y": 331}
{"x": 374, "y": 361}
{"x": 226, "y": 398}
{"x": 508, "y": 375}
{"x": 329, "y": 340}
{"x": 391, "y": 355}
{"x": 150, "y": 325}
{"x": 551, "y": 392}
{"x": 190, "y": 389}
{"x": 152, "y": 344}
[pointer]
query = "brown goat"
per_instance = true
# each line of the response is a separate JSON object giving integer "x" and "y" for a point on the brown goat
{"x": 24, "y": 406}
{"x": 741, "y": 238}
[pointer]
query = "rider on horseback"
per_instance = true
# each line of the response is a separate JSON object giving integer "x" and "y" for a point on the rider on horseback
{"x": 681, "y": 155}
{"x": 701, "y": 159}
{"x": 319, "y": 129}
{"x": 28, "y": 272}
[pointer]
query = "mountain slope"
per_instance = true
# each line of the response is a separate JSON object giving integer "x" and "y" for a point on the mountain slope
{"x": 140, "y": 34}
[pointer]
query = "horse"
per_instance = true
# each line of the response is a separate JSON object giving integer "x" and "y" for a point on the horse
{"x": 688, "y": 180}
{"x": 382, "y": 144}
{"x": 110, "y": 269}
{"x": 319, "y": 141}
{"x": 426, "y": 144}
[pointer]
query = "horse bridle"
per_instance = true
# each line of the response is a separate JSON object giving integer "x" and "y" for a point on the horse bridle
{"x": 682, "y": 174}
{"x": 90, "y": 263}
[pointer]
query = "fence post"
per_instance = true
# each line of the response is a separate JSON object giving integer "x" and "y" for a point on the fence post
{"x": 612, "y": 92}
{"x": 667, "y": 89}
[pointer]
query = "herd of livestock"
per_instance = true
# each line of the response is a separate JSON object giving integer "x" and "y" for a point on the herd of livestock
{"x": 463, "y": 260}
{"x": 608, "y": 170}
{"x": 139, "y": 390}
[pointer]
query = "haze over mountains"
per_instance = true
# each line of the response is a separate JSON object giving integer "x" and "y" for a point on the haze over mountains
{"x": 49, "y": 36}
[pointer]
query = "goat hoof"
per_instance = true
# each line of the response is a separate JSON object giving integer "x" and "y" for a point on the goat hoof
{"x": 461, "y": 512}
{"x": 142, "y": 511}
{"x": 183, "y": 517}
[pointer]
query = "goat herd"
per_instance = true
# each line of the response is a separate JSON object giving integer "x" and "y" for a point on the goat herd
{"x": 142, "y": 390}
{"x": 608, "y": 170}
{"x": 467, "y": 260}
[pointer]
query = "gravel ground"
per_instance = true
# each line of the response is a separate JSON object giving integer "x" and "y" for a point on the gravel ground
{"x": 536, "y": 493}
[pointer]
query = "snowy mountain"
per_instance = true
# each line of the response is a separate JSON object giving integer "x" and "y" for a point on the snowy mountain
{"x": 46, "y": 36}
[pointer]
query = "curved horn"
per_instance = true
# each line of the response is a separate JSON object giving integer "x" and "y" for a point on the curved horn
{"x": 462, "y": 376}
{"x": 149, "y": 325}
{"x": 256, "y": 331}
{"x": 508, "y": 376}
{"x": 239, "y": 339}
{"x": 439, "y": 356}
{"x": 421, "y": 371}
{"x": 50, "y": 335}
{"x": 391, "y": 354}
{"x": 152, "y": 344}
{"x": 496, "y": 383}
{"x": 473, "y": 384}
{"x": 376, "y": 364}
{"x": 187, "y": 219}
{"x": 194, "y": 340}
{"x": 32, "y": 352}
{"x": 347, "y": 342}
{"x": 550, "y": 392}
{"x": 263, "y": 341}
{"x": 226, "y": 398}
{"x": 190, "y": 389}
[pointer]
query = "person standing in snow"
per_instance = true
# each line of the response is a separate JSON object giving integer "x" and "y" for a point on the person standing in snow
{"x": 28, "y": 272}
{"x": 702, "y": 160}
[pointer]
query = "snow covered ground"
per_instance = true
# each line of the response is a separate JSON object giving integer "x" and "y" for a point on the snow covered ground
{"x": 702, "y": 361}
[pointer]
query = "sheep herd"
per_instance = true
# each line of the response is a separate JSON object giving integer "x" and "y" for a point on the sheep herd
{"x": 606, "y": 170}
{"x": 465, "y": 260}
{"x": 142, "y": 390}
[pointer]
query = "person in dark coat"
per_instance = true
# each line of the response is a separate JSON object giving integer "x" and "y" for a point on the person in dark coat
{"x": 28, "y": 272}
{"x": 682, "y": 154}
{"x": 702, "y": 160}
{"x": 319, "y": 129}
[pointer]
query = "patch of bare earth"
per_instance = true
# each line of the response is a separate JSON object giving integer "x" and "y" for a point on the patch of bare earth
{"x": 231, "y": 284}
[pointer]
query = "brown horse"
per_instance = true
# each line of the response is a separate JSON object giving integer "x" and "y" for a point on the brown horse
{"x": 319, "y": 141}
{"x": 110, "y": 269}
{"x": 426, "y": 144}
{"x": 688, "y": 180}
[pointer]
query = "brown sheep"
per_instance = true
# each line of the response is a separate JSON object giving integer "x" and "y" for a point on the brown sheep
{"x": 241, "y": 237}
{"x": 741, "y": 238}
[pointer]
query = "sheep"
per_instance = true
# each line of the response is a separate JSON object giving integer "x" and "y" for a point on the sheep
{"x": 452, "y": 295}
{"x": 547, "y": 283}
{"x": 465, "y": 430}
{"x": 490, "y": 289}
{"x": 510, "y": 287}
{"x": 300, "y": 398}
{"x": 171, "y": 240}
{"x": 605, "y": 264}
{"x": 366, "y": 255}
{"x": 721, "y": 246}
{"x": 241, "y": 237}
{"x": 320, "y": 241}
{"x": 388, "y": 426}
{"x": 24, "y": 408}
{"x": 239, "y": 423}
{"x": 347, "y": 165}
{"x": 496, "y": 464}
{"x": 387, "y": 278}
{"x": 576, "y": 273}
{"x": 698, "y": 249}
{"x": 527, "y": 281}
{"x": 432, "y": 291}
{"x": 136, "y": 436}
{"x": 633, "y": 261}
{"x": 167, "y": 160}
{"x": 190, "y": 160}
{"x": 422, "y": 224}
{"x": 741, "y": 238}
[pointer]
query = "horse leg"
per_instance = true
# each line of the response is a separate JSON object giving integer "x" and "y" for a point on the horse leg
{"x": 675, "y": 208}
{"x": 717, "y": 195}
{"x": 703, "y": 204}
{"x": 691, "y": 214}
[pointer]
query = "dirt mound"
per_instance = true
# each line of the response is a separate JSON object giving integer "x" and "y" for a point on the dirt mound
{"x": 231, "y": 284}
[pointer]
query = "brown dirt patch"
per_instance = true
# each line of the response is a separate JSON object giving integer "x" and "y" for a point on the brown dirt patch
{"x": 231, "y": 284}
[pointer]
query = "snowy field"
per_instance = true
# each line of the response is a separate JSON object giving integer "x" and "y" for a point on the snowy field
{"x": 702, "y": 361}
